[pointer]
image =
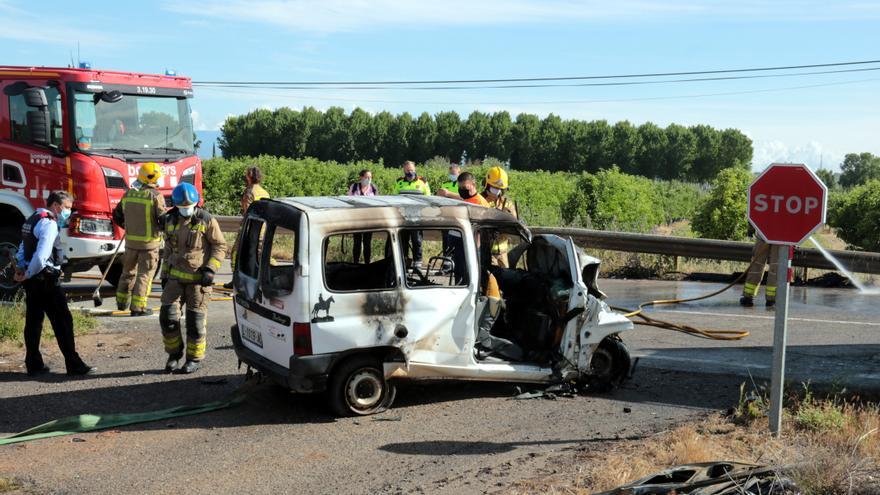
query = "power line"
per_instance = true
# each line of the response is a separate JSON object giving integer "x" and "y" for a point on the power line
{"x": 543, "y": 102}
{"x": 535, "y": 79}
{"x": 532, "y": 86}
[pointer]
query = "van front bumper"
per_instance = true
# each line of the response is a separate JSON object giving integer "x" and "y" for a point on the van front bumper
{"x": 306, "y": 374}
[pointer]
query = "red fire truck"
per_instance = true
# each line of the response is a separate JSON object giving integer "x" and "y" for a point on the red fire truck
{"x": 87, "y": 132}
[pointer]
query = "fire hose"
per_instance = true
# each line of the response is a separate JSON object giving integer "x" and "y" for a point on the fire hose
{"x": 707, "y": 333}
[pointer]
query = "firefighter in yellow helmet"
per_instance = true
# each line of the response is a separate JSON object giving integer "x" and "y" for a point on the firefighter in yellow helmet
{"x": 138, "y": 213}
{"x": 253, "y": 191}
{"x": 496, "y": 194}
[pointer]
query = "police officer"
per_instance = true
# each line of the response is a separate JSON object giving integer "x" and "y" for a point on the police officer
{"x": 496, "y": 194}
{"x": 138, "y": 212}
{"x": 39, "y": 260}
{"x": 194, "y": 248}
{"x": 451, "y": 185}
{"x": 411, "y": 183}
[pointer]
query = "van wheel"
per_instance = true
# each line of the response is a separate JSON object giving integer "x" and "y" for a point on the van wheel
{"x": 9, "y": 241}
{"x": 609, "y": 366}
{"x": 358, "y": 388}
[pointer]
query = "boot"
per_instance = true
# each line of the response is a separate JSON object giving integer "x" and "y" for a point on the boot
{"x": 228, "y": 285}
{"x": 746, "y": 301}
{"x": 770, "y": 304}
{"x": 190, "y": 367}
{"x": 142, "y": 312}
{"x": 121, "y": 306}
{"x": 81, "y": 369}
{"x": 38, "y": 371}
{"x": 171, "y": 365}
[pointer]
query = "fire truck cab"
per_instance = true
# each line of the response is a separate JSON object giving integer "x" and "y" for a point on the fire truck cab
{"x": 86, "y": 132}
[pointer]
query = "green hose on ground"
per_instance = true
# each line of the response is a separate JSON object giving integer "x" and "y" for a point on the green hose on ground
{"x": 93, "y": 422}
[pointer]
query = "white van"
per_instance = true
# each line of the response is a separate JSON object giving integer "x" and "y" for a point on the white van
{"x": 329, "y": 297}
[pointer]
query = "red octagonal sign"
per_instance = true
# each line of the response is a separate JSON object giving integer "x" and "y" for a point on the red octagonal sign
{"x": 787, "y": 203}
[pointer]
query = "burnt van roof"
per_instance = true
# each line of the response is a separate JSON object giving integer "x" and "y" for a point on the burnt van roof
{"x": 408, "y": 205}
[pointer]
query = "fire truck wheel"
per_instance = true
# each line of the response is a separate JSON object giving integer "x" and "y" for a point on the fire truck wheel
{"x": 114, "y": 274}
{"x": 10, "y": 238}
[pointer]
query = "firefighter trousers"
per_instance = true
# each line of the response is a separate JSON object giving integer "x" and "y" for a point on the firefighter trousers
{"x": 136, "y": 282}
{"x": 763, "y": 254}
{"x": 195, "y": 298}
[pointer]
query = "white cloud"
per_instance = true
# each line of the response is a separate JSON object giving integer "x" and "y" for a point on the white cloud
{"x": 813, "y": 154}
{"x": 30, "y": 26}
{"x": 352, "y": 15}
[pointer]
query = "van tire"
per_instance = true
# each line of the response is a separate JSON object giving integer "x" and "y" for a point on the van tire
{"x": 10, "y": 238}
{"x": 358, "y": 387}
{"x": 610, "y": 365}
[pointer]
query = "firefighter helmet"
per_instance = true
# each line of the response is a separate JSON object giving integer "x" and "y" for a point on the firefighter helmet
{"x": 497, "y": 177}
{"x": 149, "y": 173}
{"x": 185, "y": 194}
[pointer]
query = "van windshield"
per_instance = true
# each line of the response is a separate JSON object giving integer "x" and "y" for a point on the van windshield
{"x": 136, "y": 124}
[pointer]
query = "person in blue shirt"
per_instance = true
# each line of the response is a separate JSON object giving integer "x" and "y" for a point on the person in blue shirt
{"x": 38, "y": 268}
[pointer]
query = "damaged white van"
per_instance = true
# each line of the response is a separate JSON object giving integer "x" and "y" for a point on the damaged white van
{"x": 346, "y": 295}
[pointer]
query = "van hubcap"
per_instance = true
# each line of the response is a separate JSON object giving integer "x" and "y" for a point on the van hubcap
{"x": 364, "y": 390}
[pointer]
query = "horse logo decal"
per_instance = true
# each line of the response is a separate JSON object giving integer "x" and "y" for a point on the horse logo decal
{"x": 322, "y": 305}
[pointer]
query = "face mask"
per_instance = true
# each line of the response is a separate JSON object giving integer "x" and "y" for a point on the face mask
{"x": 409, "y": 175}
{"x": 464, "y": 193}
{"x": 453, "y": 177}
{"x": 63, "y": 217}
{"x": 366, "y": 182}
{"x": 495, "y": 191}
{"x": 186, "y": 211}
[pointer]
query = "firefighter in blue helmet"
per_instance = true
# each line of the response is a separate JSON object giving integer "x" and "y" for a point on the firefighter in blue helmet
{"x": 194, "y": 248}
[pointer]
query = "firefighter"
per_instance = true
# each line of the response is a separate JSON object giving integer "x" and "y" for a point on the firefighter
{"x": 495, "y": 194}
{"x": 411, "y": 183}
{"x": 762, "y": 254}
{"x": 253, "y": 191}
{"x": 138, "y": 213}
{"x": 39, "y": 259}
{"x": 194, "y": 248}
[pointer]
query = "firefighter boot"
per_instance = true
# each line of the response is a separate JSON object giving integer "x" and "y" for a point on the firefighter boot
{"x": 169, "y": 321}
{"x": 747, "y": 301}
{"x": 172, "y": 364}
{"x": 190, "y": 367}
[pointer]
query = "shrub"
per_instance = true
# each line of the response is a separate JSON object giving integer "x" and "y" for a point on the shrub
{"x": 678, "y": 200}
{"x": 613, "y": 200}
{"x": 856, "y": 215}
{"x": 722, "y": 213}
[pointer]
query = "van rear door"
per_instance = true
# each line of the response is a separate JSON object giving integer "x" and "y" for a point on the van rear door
{"x": 266, "y": 268}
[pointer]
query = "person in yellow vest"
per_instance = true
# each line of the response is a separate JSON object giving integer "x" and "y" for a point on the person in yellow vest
{"x": 253, "y": 191}
{"x": 762, "y": 255}
{"x": 496, "y": 194}
{"x": 451, "y": 185}
{"x": 138, "y": 213}
{"x": 411, "y": 183}
{"x": 194, "y": 248}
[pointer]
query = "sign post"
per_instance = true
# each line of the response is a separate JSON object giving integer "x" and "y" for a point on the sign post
{"x": 787, "y": 204}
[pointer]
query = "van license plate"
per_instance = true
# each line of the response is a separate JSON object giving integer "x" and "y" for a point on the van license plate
{"x": 252, "y": 335}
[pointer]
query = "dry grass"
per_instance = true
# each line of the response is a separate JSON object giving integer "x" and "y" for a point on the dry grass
{"x": 832, "y": 447}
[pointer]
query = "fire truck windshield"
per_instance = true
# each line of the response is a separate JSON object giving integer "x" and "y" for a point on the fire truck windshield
{"x": 136, "y": 124}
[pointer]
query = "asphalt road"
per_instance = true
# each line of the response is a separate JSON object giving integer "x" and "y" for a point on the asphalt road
{"x": 441, "y": 437}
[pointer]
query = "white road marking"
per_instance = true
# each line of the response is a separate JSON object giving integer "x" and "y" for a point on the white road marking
{"x": 810, "y": 320}
{"x": 713, "y": 362}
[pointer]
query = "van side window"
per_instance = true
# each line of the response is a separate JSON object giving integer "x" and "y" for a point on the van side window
{"x": 373, "y": 270}
{"x": 251, "y": 250}
{"x": 444, "y": 261}
{"x": 18, "y": 117}
{"x": 282, "y": 260}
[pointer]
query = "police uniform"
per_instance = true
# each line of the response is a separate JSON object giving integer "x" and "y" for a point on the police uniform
{"x": 40, "y": 256}
{"x": 450, "y": 185}
{"x": 139, "y": 212}
{"x": 191, "y": 245}
{"x": 502, "y": 247}
{"x": 417, "y": 186}
{"x": 253, "y": 192}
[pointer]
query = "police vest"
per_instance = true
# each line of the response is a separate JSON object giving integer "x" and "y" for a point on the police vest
{"x": 451, "y": 186}
{"x": 29, "y": 241}
{"x": 416, "y": 186}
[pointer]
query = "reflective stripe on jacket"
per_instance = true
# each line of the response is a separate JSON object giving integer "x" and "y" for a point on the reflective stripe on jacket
{"x": 138, "y": 212}
{"x": 190, "y": 244}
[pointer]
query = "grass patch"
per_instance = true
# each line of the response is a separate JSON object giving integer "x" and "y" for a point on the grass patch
{"x": 8, "y": 485}
{"x": 828, "y": 447}
{"x": 12, "y": 316}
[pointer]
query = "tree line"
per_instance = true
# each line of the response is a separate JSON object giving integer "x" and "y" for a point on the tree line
{"x": 527, "y": 142}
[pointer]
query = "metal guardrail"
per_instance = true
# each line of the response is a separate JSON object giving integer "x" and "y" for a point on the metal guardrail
{"x": 856, "y": 261}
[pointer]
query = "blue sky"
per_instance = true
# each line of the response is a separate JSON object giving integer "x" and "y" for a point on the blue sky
{"x": 396, "y": 39}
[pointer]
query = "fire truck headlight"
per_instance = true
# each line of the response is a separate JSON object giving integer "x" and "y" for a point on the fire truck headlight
{"x": 95, "y": 226}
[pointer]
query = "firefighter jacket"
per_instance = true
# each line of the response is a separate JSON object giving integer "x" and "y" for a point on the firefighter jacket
{"x": 191, "y": 244}
{"x": 417, "y": 186}
{"x": 506, "y": 205}
{"x": 254, "y": 192}
{"x": 138, "y": 213}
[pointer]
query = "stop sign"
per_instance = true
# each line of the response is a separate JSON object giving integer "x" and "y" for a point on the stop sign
{"x": 787, "y": 203}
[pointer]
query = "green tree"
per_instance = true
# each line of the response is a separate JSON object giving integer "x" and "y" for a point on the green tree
{"x": 597, "y": 144}
{"x": 859, "y": 168}
{"x": 475, "y": 133}
{"x": 613, "y": 200}
{"x": 526, "y": 131}
{"x": 856, "y": 215}
{"x": 546, "y": 154}
{"x": 722, "y": 215}
{"x": 424, "y": 133}
{"x": 828, "y": 177}
{"x": 680, "y": 152}
{"x": 360, "y": 128}
{"x": 499, "y": 142}
{"x": 651, "y": 153}
{"x": 706, "y": 153}
{"x": 625, "y": 141}
{"x": 447, "y": 142}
